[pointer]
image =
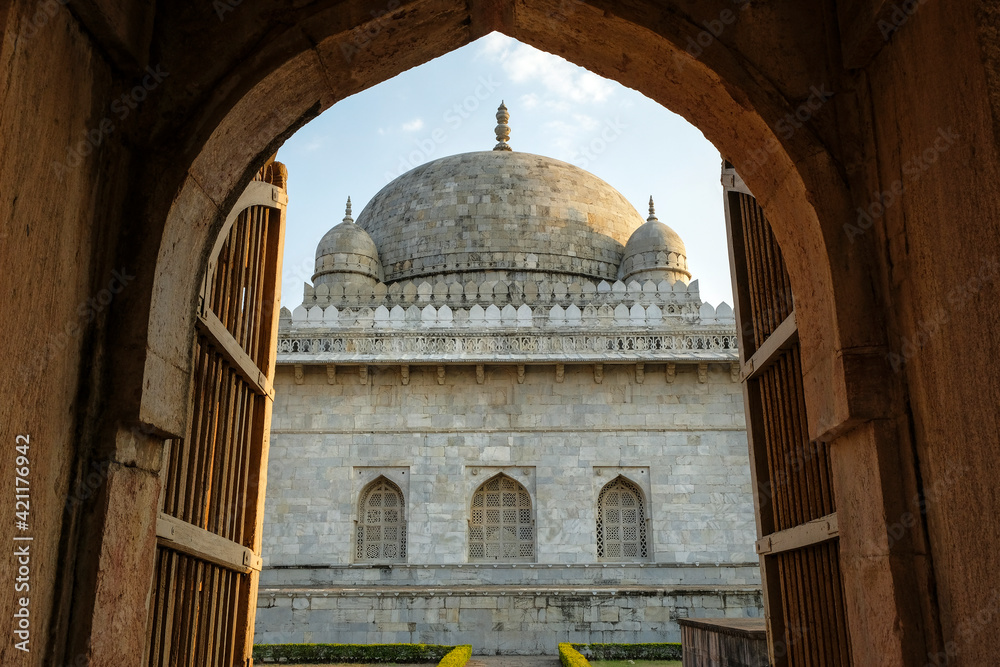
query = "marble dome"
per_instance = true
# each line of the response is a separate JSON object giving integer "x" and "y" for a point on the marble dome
{"x": 499, "y": 212}
{"x": 654, "y": 252}
{"x": 347, "y": 249}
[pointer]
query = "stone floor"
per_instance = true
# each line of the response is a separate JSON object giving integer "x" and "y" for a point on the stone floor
{"x": 513, "y": 661}
{"x": 486, "y": 661}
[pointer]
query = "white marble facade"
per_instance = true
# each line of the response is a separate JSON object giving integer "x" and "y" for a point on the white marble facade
{"x": 682, "y": 442}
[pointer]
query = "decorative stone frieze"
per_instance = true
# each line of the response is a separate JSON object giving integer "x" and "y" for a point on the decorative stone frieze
{"x": 511, "y": 347}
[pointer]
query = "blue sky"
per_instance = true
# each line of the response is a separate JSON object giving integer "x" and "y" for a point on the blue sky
{"x": 557, "y": 109}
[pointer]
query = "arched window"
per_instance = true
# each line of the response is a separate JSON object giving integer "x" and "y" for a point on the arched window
{"x": 621, "y": 522}
{"x": 501, "y": 527}
{"x": 381, "y": 523}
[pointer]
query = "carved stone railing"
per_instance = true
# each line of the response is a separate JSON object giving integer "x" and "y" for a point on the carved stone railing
{"x": 304, "y": 347}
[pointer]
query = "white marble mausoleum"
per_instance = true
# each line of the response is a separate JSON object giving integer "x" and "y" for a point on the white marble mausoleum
{"x": 504, "y": 416}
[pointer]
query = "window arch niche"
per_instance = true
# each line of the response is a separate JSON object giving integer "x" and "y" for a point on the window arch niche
{"x": 381, "y": 529}
{"x": 621, "y": 522}
{"x": 501, "y": 524}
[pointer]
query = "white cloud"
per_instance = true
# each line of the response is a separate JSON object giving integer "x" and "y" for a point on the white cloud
{"x": 585, "y": 122}
{"x": 313, "y": 144}
{"x": 493, "y": 46}
{"x": 413, "y": 125}
{"x": 563, "y": 83}
{"x": 530, "y": 101}
{"x": 563, "y": 136}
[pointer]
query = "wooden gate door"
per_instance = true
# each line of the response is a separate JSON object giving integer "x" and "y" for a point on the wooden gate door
{"x": 793, "y": 492}
{"x": 212, "y": 504}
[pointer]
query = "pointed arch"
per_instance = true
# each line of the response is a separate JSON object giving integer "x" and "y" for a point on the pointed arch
{"x": 621, "y": 522}
{"x": 381, "y": 525}
{"x": 236, "y": 112}
{"x": 501, "y": 522}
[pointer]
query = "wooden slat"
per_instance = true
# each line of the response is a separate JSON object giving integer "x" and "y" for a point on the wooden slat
{"x": 785, "y": 335}
{"x": 802, "y": 535}
{"x": 253, "y": 410}
{"x": 180, "y": 644}
{"x": 215, "y": 506}
{"x": 252, "y": 302}
{"x": 236, "y": 312}
{"x": 204, "y": 545}
{"x": 224, "y": 506}
{"x": 213, "y": 328}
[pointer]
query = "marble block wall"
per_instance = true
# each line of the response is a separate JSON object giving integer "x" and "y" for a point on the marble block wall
{"x": 682, "y": 442}
{"x": 515, "y": 623}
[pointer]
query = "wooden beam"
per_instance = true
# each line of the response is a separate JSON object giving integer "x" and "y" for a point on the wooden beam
{"x": 217, "y": 333}
{"x": 786, "y": 335}
{"x": 804, "y": 535}
{"x": 178, "y": 535}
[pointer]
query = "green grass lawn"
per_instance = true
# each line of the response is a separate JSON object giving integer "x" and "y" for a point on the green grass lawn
{"x": 635, "y": 663}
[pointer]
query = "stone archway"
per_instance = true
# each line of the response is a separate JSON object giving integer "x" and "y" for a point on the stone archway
{"x": 244, "y": 105}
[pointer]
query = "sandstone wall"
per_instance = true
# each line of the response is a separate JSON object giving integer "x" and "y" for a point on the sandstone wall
{"x": 61, "y": 185}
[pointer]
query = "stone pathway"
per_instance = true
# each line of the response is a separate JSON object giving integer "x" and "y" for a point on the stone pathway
{"x": 513, "y": 661}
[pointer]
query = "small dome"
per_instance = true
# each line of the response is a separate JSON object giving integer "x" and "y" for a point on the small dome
{"x": 654, "y": 252}
{"x": 347, "y": 249}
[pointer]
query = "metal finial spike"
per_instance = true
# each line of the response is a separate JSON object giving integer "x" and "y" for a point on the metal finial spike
{"x": 347, "y": 214}
{"x": 502, "y": 129}
{"x": 652, "y": 211}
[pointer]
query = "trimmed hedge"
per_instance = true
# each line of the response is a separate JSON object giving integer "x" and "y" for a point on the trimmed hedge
{"x": 630, "y": 651}
{"x": 363, "y": 653}
{"x": 457, "y": 657}
{"x": 570, "y": 657}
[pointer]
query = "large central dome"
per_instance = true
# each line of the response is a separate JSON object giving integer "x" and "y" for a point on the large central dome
{"x": 499, "y": 212}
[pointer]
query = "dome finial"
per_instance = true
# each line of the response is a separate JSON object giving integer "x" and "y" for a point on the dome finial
{"x": 502, "y": 129}
{"x": 652, "y": 211}
{"x": 347, "y": 215}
